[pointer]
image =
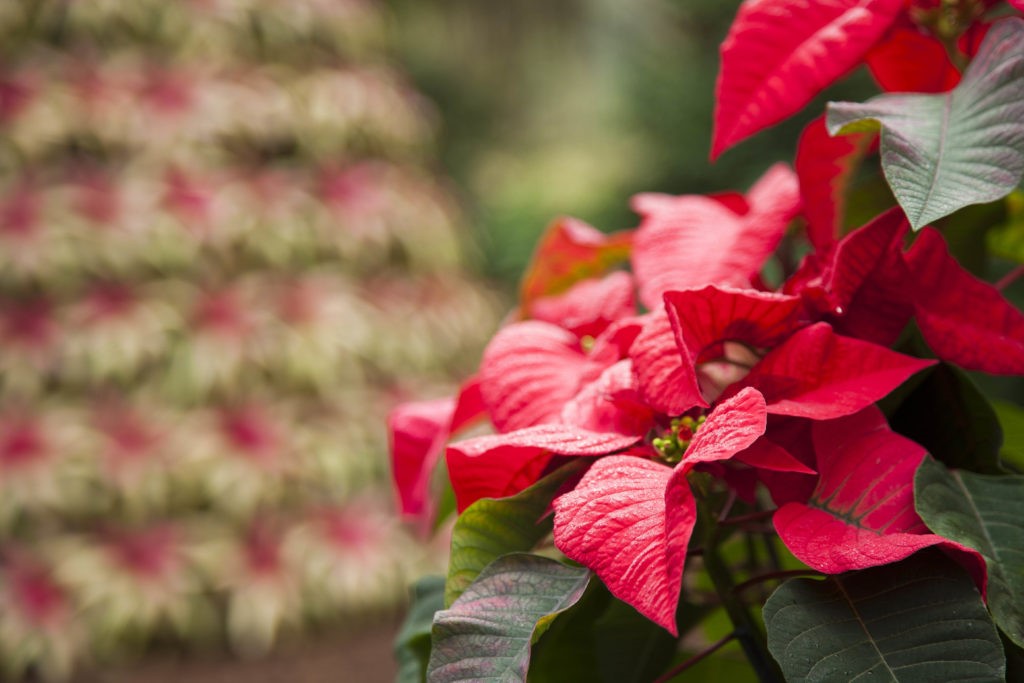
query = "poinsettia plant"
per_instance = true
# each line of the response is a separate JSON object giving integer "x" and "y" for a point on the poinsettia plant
{"x": 748, "y": 420}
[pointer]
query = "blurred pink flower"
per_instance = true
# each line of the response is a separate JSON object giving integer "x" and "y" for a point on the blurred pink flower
{"x": 168, "y": 92}
{"x": 33, "y": 594}
{"x": 221, "y": 314}
{"x": 151, "y": 555}
{"x": 16, "y": 93}
{"x": 23, "y": 442}
{"x": 28, "y": 326}
{"x": 250, "y": 432}
{"x": 108, "y": 300}
{"x": 20, "y": 217}
{"x": 97, "y": 198}
{"x": 190, "y": 199}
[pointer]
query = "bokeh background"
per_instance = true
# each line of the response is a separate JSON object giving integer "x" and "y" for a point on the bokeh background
{"x": 233, "y": 234}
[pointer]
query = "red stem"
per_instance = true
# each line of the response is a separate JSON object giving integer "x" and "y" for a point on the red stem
{"x": 676, "y": 670}
{"x": 771, "y": 576}
{"x": 1009, "y": 278}
{"x": 751, "y": 517}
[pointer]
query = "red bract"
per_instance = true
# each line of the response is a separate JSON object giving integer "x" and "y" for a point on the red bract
{"x": 860, "y": 283}
{"x": 612, "y": 403}
{"x": 667, "y": 384}
{"x": 911, "y": 61}
{"x": 821, "y": 375}
{"x": 779, "y": 54}
{"x": 861, "y": 513}
{"x": 589, "y": 306}
{"x": 811, "y": 372}
{"x": 500, "y": 465}
{"x": 630, "y": 519}
{"x": 868, "y": 288}
{"x": 706, "y": 320}
{"x": 418, "y": 432}
{"x": 692, "y": 240}
{"x": 568, "y": 252}
{"x": 824, "y": 166}
{"x": 964, "y": 320}
{"x": 528, "y": 372}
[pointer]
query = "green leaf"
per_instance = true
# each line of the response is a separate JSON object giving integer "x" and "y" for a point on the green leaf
{"x": 412, "y": 644}
{"x": 985, "y": 513}
{"x": 487, "y": 633}
{"x": 967, "y": 231}
{"x": 1007, "y": 239}
{"x": 492, "y": 527}
{"x": 942, "y": 152}
{"x": 947, "y": 414}
{"x": 921, "y": 619}
{"x": 1011, "y": 418}
{"x": 603, "y": 639}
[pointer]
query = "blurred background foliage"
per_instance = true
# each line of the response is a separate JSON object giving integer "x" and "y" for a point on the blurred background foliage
{"x": 225, "y": 253}
{"x": 572, "y": 107}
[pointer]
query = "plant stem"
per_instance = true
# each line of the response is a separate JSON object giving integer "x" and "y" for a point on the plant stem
{"x": 772, "y": 576}
{"x": 680, "y": 668}
{"x": 1009, "y": 278}
{"x": 749, "y": 517}
{"x": 747, "y": 630}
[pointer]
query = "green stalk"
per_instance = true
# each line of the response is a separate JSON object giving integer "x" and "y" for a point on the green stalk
{"x": 747, "y": 630}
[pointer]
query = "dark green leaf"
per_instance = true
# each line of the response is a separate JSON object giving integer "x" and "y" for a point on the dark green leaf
{"x": 602, "y": 639}
{"x": 942, "y": 152}
{"x": 985, "y": 513}
{"x": 1007, "y": 239}
{"x": 487, "y": 633}
{"x": 492, "y": 527}
{"x": 948, "y": 415}
{"x": 966, "y": 232}
{"x": 412, "y": 644}
{"x": 921, "y": 619}
{"x": 1011, "y": 418}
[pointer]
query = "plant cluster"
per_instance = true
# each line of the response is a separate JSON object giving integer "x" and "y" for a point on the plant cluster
{"x": 753, "y": 388}
{"x": 213, "y": 216}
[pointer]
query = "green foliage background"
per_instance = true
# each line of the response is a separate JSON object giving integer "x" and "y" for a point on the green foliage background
{"x": 572, "y": 107}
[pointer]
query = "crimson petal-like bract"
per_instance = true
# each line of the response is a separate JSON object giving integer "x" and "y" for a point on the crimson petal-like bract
{"x": 589, "y": 306}
{"x": 908, "y": 60}
{"x": 824, "y": 166}
{"x": 861, "y": 513}
{"x": 529, "y": 370}
{"x": 667, "y": 383}
{"x": 499, "y": 465}
{"x": 779, "y": 54}
{"x": 862, "y": 286}
{"x": 703, "y": 317}
{"x": 822, "y": 375}
{"x": 630, "y": 519}
{"x": 570, "y": 251}
{"x": 611, "y": 403}
{"x": 700, "y": 320}
{"x": 418, "y": 432}
{"x": 692, "y": 240}
{"x": 963, "y": 319}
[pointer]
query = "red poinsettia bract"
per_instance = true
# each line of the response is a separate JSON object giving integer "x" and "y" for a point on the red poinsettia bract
{"x": 630, "y": 519}
{"x": 861, "y": 513}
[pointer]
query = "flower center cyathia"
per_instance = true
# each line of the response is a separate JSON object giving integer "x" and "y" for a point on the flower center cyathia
{"x": 672, "y": 444}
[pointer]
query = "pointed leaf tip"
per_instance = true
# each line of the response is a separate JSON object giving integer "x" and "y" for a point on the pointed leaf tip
{"x": 772, "y": 62}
